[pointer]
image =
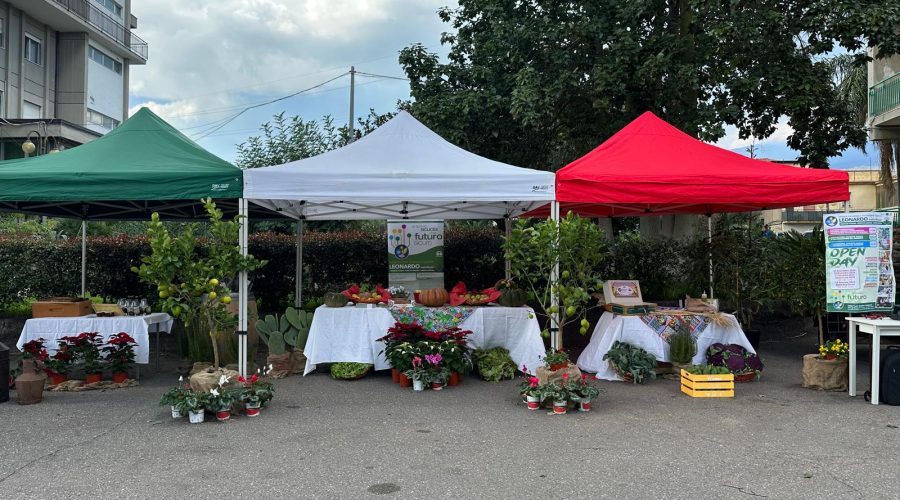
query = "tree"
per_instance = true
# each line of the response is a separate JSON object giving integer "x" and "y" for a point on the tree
{"x": 850, "y": 75}
{"x": 538, "y": 83}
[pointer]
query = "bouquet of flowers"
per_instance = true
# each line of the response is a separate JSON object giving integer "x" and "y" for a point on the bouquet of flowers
{"x": 834, "y": 349}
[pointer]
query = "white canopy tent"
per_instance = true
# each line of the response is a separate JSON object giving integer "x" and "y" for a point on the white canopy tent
{"x": 402, "y": 170}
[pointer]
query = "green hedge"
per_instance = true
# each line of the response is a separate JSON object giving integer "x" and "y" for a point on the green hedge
{"x": 36, "y": 267}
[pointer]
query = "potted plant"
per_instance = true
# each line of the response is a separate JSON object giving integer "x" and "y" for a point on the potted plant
{"x": 494, "y": 365}
{"x": 556, "y": 360}
{"x": 583, "y": 392}
{"x": 30, "y": 383}
{"x": 57, "y": 366}
{"x": 745, "y": 365}
{"x": 556, "y": 394}
{"x": 682, "y": 347}
{"x": 438, "y": 373}
{"x": 255, "y": 394}
{"x": 828, "y": 370}
{"x": 631, "y": 363}
{"x": 119, "y": 350}
{"x": 86, "y": 347}
{"x": 174, "y": 397}
{"x": 220, "y": 401}
{"x": 285, "y": 336}
{"x": 418, "y": 373}
{"x": 349, "y": 370}
{"x": 531, "y": 389}
{"x": 194, "y": 404}
{"x": 457, "y": 358}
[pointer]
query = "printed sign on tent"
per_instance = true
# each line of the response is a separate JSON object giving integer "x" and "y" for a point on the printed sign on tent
{"x": 858, "y": 265}
{"x": 416, "y": 254}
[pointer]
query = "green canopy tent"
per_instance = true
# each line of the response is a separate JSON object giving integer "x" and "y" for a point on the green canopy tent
{"x": 143, "y": 166}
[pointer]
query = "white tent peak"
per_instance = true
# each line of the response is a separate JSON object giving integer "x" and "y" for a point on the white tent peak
{"x": 402, "y": 169}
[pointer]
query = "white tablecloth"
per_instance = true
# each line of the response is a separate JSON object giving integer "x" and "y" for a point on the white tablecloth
{"x": 349, "y": 334}
{"x": 632, "y": 330}
{"x": 139, "y": 327}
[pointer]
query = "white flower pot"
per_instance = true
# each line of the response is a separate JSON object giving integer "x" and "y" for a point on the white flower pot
{"x": 560, "y": 407}
{"x": 584, "y": 406}
{"x": 418, "y": 385}
{"x": 533, "y": 402}
{"x": 196, "y": 417}
{"x": 176, "y": 413}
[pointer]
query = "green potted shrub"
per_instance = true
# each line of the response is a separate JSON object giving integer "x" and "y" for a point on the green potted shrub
{"x": 495, "y": 364}
{"x": 349, "y": 370}
{"x": 631, "y": 363}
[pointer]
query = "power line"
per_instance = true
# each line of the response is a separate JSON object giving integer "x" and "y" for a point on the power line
{"x": 248, "y": 108}
{"x": 382, "y": 76}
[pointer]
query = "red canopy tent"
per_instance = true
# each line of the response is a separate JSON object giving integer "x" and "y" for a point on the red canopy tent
{"x": 652, "y": 168}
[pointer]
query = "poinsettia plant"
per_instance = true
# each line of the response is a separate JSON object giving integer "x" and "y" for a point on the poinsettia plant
{"x": 86, "y": 347}
{"x": 34, "y": 349}
{"x": 61, "y": 360}
{"x": 119, "y": 350}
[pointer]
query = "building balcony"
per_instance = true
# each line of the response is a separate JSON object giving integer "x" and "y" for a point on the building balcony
{"x": 81, "y": 16}
{"x": 884, "y": 96}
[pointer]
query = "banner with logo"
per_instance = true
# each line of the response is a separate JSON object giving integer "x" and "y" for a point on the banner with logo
{"x": 859, "y": 271}
{"x": 416, "y": 254}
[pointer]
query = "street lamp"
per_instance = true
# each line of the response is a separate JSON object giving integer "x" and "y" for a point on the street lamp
{"x": 28, "y": 147}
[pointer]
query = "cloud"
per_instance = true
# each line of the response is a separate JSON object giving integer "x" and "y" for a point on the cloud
{"x": 731, "y": 140}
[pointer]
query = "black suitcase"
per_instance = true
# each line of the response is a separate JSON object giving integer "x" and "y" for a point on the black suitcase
{"x": 889, "y": 392}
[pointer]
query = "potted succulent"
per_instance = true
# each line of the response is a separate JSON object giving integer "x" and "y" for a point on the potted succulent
{"x": 418, "y": 373}
{"x": 745, "y": 365}
{"x": 255, "y": 394}
{"x": 119, "y": 352}
{"x": 556, "y": 359}
{"x": 57, "y": 366}
{"x": 30, "y": 383}
{"x": 194, "y": 404}
{"x": 631, "y": 363}
{"x": 583, "y": 392}
{"x": 174, "y": 397}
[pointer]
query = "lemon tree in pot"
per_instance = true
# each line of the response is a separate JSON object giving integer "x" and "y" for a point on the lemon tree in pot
{"x": 190, "y": 280}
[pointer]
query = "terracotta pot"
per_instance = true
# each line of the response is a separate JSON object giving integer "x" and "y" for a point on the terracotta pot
{"x": 436, "y": 386}
{"x": 30, "y": 385}
{"x": 91, "y": 378}
{"x": 395, "y": 375}
{"x": 559, "y": 366}
{"x": 222, "y": 416}
{"x": 560, "y": 407}
{"x": 830, "y": 357}
{"x": 455, "y": 379}
{"x": 119, "y": 377}
{"x": 57, "y": 378}
{"x": 405, "y": 381}
{"x": 533, "y": 402}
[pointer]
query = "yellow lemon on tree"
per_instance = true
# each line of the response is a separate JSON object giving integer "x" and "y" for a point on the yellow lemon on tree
{"x": 226, "y": 300}
{"x": 212, "y": 295}
{"x": 214, "y": 282}
{"x": 163, "y": 294}
{"x": 570, "y": 311}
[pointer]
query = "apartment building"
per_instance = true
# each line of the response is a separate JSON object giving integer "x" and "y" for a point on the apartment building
{"x": 884, "y": 98}
{"x": 64, "y": 67}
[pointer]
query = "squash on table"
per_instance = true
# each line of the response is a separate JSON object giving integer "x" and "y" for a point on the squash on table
{"x": 434, "y": 297}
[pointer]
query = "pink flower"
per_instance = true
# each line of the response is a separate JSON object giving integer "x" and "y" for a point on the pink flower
{"x": 417, "y": 361}
{"x": 533, "y": 381}
{"x": 584, "y": 377}
{"x": 565, "y": 376}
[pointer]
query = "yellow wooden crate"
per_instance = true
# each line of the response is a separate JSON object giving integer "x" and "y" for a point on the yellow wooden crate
{"x": 707, "y": 386}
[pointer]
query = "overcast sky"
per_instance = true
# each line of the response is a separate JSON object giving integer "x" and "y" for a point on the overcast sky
{"x": 211, "y": 58}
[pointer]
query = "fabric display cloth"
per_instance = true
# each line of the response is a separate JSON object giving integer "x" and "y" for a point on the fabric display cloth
{"x": 350, "y": 334}
{"x": 139, "y": 327}
{"x": 665, "y": 325}
{"x": 432, "y": 318}
{"x": 635, "y": 331}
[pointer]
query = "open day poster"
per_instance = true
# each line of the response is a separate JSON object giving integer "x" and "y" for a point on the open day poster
{"x": 858, "y": 265}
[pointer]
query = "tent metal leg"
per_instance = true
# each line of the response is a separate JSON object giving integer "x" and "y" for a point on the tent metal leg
{"x": 507, "y": 273}
{"x": 83, "y": 257}
{"x": 555, "y": 326}
{"x": 709, "y": 240}
{"x": 242, "y": 291}
{"x": 298, "y": 272}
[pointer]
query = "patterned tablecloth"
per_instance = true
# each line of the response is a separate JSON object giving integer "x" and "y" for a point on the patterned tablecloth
{"x": 351, "y": 333}
{"x": 650, "y": 333}
{"x": 667, "y": 324}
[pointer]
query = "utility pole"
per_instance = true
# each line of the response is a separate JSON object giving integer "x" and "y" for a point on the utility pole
{"x": 352, "y": 117}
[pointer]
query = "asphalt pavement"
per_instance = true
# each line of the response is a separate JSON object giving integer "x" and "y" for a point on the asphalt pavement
{"x": 323, "y": 438}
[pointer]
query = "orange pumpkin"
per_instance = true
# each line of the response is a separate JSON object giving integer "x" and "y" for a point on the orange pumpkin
{"x": 434, "y": 297}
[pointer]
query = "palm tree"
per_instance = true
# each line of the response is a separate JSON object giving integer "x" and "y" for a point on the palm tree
{"x": 851, "y": 80}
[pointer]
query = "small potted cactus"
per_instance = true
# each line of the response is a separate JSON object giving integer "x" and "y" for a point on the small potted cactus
{"x": 285, "y": 336}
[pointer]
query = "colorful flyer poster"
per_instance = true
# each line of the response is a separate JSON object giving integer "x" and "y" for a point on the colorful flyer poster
{"x": 858, "y": 266}
{"x": 416, "y": 254}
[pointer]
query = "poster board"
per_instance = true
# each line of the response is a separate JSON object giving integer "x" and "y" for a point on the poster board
{"x": 623, "y": 292}
{"x": 415, "y": 254}
{"x": 859, "y": 271}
